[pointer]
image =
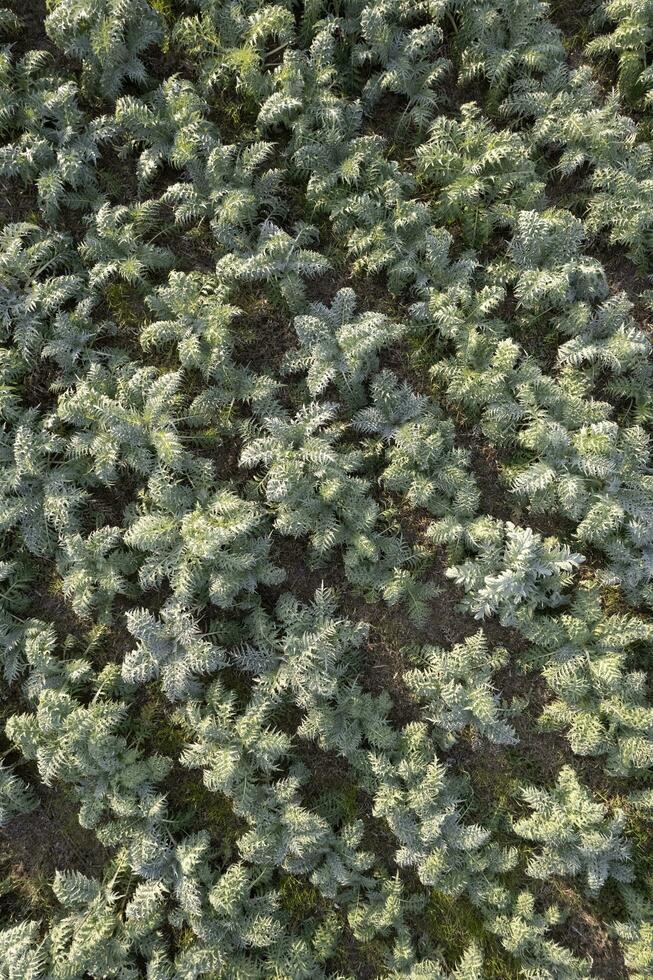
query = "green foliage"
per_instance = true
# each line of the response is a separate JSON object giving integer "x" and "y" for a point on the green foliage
{"x": 483, "y": 178}
{"x": 60, "y": 159}
{"x": 313, "y": 482}
{"x": 513, "y": 572}
{"x": 172, "y": 648}
{"x": 420, "y": 805}
{"x": 456, "y": 687}
{"x": 207, "y": 544}
{"x": 114, "y": 247}
{"x": 15, "y": 796}
{"x": 94, "y": 571}
{"x": 598, "y": 701}
{"x": 636, "y": 936}
{"x": 628, "y": 35}
{"x": 170, "y": 126}
{"x": 124, "y": 419}
{"x": 523, "y": 933}
{"x": 407, "y": 58}
{"x": 576, "y": 835}
{"x": 77, "y": 744}
{"x": 231, "y": 190}
{"x": 107, "y": 37}
{"x": 340, "y": 347}
{"x": 289, "y": 327}
{"x": 623, "y": 204}
{"x": 229, "y": 43}
{"x": 275, "y": 257}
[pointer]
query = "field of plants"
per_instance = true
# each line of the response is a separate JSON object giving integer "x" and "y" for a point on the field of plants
{"x": 326, "y": 495}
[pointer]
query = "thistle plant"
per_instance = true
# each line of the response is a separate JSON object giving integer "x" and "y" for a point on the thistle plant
{"x": 575, "y": 834}
{"x": 513, "y": 571}
{"x": 456, "y": 687}
{"x": 290, "y": 327}
{"x": 16, "y": 796}
{"x": 209, "y": 545}
{"x": 339, "y": 346}
{"x": 107, "y": 38}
